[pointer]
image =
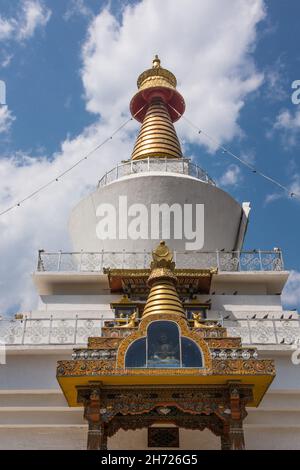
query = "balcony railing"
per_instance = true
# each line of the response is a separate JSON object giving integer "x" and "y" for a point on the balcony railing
{"x": 225, "y": 261}
{"x": 166, "y": 165}
{"x": 76, "y": 330}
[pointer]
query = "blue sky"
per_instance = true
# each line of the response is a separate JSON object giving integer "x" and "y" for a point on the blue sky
{"x": 53, "y": 60}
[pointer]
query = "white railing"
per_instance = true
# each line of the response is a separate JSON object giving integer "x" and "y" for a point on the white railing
{"x": 51, "y": 330}
{"x": 269, "y": 330}
{"x": 163, "y": 165}
{"x": 255, "y": 260}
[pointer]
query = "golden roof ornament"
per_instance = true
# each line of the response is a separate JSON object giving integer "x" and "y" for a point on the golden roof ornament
{"x": 157, "y": 104}
{"x": 162, "y": 266}
{"x": 156, "y": 76}
{"x": 157, "y": 81}
{"x": 162, "y": 257}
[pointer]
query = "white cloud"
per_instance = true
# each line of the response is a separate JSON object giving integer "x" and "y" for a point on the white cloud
{"x": 231, "y": 177}
{"x": 206, "y": 44}
{"x": 291, "y": 292}
{"x": 36, "y": 15}
{"x": 6, "y": 119}
{"x": 293, "y": 191}
{"x": 33, "y": 14}
{"x": 6, "y": 28}
{"x": 272, "y": 198}
{"x": 288, "y": 124}
{"x": 248, "y": 156}
{"x": 276, "y": 86}
{"x": 287, "y": 120}
{"x": 6, "y": 60}
{"x": 77, "y": 7}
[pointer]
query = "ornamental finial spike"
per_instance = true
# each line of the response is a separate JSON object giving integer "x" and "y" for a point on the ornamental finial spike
{"x": 162, "y": 257}
{"x": 156, "y": 62}
{"x": 162, "y": 266}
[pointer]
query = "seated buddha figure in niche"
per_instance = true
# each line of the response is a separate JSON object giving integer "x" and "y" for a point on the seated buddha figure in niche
{"x": 163, "y": 352}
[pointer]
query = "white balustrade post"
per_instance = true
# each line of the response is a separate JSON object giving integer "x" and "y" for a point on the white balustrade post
{"x": 249, "y": 329}
{"x": 80, "y": 261}
{"x": 50, "y": 328}
{"x": 218, "y": 260}
{"x": 260, "y": 260}
{"x": 59, "y": 261}
{"x": 275, "y": 331}
{"x": 281, "y": 260}
{"x": 24, "y": 330}
{"x": 102, "y": 255}
{"x": 239, "y": 260}
{"x": 75, "y": 328}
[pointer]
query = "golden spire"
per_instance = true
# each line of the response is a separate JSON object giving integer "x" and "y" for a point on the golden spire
{"x": 157, "y": 136}
{"x": 157, "y": 105}
{"x": 163, "y": 296}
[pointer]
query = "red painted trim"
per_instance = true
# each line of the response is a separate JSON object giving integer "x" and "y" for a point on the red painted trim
{"x": 144, "y": 97}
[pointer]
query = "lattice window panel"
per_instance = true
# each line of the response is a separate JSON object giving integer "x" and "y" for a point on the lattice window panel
{"x": 163, "y": 437}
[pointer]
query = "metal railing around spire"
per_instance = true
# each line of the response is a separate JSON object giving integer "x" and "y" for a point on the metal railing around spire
{"x": 183, "y": 166}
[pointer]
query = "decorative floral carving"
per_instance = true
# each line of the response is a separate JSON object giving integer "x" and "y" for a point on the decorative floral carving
{"x": 83, "y": 367}
{"x": 242, "y": 367}
{"x": 223, "y": 342}
{"x": 103, "y": 343}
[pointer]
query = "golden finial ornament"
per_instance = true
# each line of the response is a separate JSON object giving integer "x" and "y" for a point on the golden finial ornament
{"x": 157, "y": 104}
{"x": 156, "y": 62}
{"x": 158, "y": 76}
{"x": 162, "y": 257}
{"x": 162, "y": 265}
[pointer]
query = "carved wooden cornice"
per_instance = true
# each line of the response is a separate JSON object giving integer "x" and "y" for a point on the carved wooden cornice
{"x": 100, "y": 367}
{"x": 135, "y": 280}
